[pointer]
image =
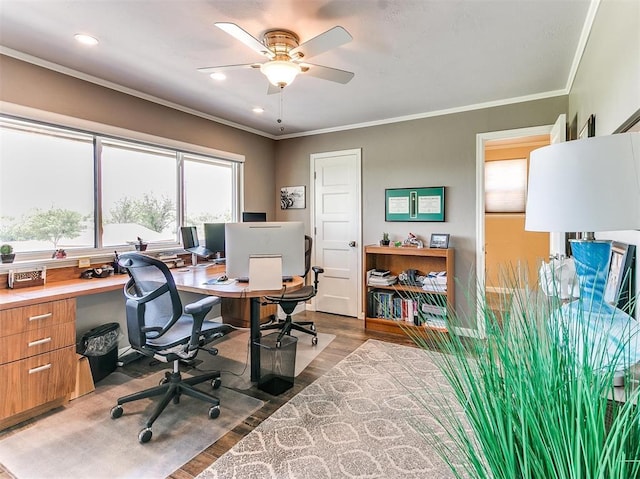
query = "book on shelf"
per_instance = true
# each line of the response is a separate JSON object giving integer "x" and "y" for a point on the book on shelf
{"x": 380, "y": 272}
{"x": 382, "y": 280}
{"x": 435, "y": 282}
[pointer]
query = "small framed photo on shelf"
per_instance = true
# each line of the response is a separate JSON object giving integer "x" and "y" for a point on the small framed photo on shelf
{"x": 439, "y": 240}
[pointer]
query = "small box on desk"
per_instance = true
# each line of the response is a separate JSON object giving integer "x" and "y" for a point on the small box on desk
{"x": 24, "y": 278}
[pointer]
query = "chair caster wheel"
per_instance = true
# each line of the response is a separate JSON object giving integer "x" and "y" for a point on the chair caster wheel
{"x": 214, "y": 412}
{"x": 312, "y": 327}
{"x": 116, "y": 412}
{"x": 145, "y": 435}
{"x": 216, "y": 383}
{"x": 176, "y": 399}
{"x": 314, "y": 341}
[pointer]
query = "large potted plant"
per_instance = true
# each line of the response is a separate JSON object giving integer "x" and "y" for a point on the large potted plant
{"x": 532, "y": 399}
{"x": 6, "y": 253}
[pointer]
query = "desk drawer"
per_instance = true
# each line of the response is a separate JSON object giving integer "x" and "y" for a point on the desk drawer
{"x": 37, "y": 380}
{"x": 37, "y": 316}
{"x": 37, "y": 341}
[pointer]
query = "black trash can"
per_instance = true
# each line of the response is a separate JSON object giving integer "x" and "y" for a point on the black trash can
{"x": 100, "y": 346}
{"x": 277, "y": 363}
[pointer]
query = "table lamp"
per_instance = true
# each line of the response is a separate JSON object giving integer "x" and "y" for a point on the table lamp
{"x": 586, "y": 186}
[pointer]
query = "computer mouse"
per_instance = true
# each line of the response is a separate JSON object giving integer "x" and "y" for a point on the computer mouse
{"x": 222, "y": 278}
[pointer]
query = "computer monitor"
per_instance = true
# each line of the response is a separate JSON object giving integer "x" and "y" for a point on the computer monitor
{"x": 248, "y": 217}
{"x": 189, "y": 237}
{"x": 214, "y": 238}
{"x": 285, "y": 239}
{"x": 191, "y": 243}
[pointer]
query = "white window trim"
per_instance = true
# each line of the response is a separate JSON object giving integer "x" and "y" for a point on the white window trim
{"x": 104, "y": 255}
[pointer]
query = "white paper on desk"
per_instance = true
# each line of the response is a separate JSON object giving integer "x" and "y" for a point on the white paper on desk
{"x": 265, "y": 272}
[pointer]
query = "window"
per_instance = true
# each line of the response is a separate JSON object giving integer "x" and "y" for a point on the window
{"x": 46, "y": 187}
{"x": 505, "y": 185}
{"x": 139, "y": 194}
{"x": 63, "y": 188}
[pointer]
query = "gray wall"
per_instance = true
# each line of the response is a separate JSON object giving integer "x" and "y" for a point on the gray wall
{"x": 28, "y": 85}
{"x": 438, "y": 151}
{"x": 607, "y": 82}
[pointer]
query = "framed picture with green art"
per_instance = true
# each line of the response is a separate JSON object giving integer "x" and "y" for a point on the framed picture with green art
{"x": 414, "y": 204}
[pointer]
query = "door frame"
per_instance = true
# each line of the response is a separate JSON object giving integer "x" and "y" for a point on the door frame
{"x": 481, "y": 139}
{"x": 311, "y": 306}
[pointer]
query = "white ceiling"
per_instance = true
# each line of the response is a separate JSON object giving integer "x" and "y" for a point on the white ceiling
{"x": 411, "y": 58}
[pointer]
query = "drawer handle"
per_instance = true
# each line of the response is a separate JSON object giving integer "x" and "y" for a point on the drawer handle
{"x": 40, "y": 341}
{"x": 39, "y": 368}
{"x": 40, "y": 316}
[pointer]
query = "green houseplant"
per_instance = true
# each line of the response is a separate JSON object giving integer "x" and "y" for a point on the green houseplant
{"x": 526, "y": 405}
{"x": 385, "y": 239}
{"x": 6, "y": 253}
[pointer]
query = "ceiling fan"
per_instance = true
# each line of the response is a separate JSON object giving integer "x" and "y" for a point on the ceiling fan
{"x": 285, "y": 55}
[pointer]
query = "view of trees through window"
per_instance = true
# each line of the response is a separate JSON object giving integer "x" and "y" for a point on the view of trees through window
{"x": 50, "y": 191}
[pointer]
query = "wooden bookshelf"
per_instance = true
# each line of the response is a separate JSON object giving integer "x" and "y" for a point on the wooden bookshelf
{"x": 397, "y": 260}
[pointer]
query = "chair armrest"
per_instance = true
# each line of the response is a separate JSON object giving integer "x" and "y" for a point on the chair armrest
{"x": 317, "y": 269}
{"x": 204, "y": 304}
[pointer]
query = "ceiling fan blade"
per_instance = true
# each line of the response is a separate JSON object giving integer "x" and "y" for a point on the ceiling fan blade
{"x": 326, "y": 73}
{"x": 228, "y": 67}
{"x": 239, "y": 34}
{"x": 325, "y": 41}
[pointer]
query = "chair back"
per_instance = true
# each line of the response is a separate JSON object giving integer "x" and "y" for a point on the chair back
{"x": 308, "y": 243}
{"x": 153, "y": 304}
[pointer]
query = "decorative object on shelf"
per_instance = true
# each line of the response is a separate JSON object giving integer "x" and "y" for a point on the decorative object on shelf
{"x": 292, "y": 197}
{"x": 414, "y": 204}
{"x": 59, "y": 254}
{"x": 580, "y": 186}
{"x": 588, "y": 130}
{"x": 6, "y": 253}
{"x": 413, "y": 240}
{"x": 385, "y": 239}
{"x": 439, "y": 240}
{"x": 141, "y": 245}
{"x": 23, "y": 278}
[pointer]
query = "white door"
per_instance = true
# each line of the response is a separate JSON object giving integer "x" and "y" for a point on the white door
{"x": 336, "y": 220}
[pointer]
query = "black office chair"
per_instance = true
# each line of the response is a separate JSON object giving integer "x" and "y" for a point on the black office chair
{"x": 289, "y": 301}
{"x": 158, "y": 327}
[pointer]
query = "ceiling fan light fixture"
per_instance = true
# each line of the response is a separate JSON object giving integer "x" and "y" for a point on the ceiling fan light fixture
{"x": 280, "y": 72}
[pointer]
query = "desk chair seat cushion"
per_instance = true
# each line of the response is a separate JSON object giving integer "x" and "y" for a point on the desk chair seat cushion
{"x": 182, "y": 329}
{"x": 303, "y": 294}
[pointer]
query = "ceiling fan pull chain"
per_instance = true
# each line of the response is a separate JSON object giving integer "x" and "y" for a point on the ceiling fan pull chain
{"x": 280, "y": 113}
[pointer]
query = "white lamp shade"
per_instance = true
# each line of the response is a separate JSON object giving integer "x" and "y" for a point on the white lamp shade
{"x": 585, "y": 185}
{"x": 280, "y": 73}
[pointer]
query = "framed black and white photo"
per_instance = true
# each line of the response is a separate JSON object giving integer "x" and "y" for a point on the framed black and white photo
{"x": 292, "y": 197}
{"x": 439, "y": 240}
{"x": 619, "y": 286}
{"x": 589, "y": 128}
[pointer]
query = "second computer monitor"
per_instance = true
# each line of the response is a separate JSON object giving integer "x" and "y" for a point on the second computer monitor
{"x": 249, "y": 217}
{"x": 214, "y": 238}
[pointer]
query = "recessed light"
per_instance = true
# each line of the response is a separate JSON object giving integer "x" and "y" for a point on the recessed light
{"x": 218, "y": 76}
{"x": 258, "y": 110}
{"x": 86, "y": 39}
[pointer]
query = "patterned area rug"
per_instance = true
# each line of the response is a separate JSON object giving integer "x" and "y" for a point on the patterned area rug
{"x": 357, "y": 421}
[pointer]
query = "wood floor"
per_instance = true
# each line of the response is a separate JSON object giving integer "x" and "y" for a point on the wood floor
{"x": 350, "y": 334}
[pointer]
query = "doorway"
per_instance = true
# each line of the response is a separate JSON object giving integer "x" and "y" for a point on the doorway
{"x": 336, "y": 226}
{"x": 490, "y": 145}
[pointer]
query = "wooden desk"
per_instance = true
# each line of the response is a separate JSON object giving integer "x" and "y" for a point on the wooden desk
{"x": 194, "y": 280}
{"x": 37, "y": 335}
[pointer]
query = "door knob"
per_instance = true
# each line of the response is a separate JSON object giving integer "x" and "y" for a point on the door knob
{"x": 352, "y": 244}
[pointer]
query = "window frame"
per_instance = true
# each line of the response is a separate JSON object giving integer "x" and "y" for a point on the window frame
{"x": 106, "y": 133}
